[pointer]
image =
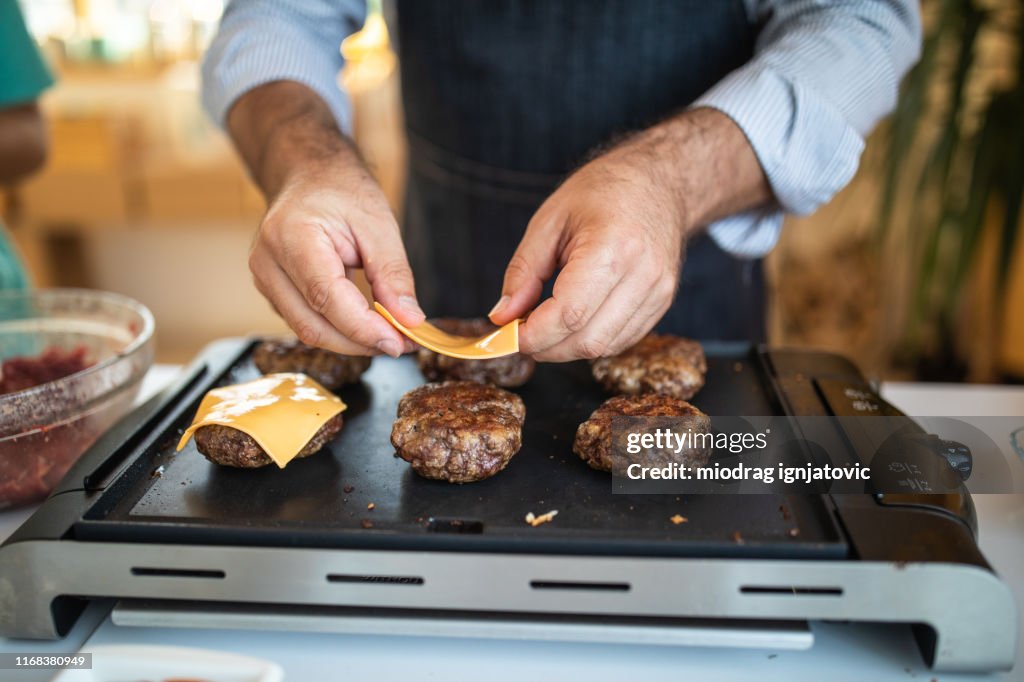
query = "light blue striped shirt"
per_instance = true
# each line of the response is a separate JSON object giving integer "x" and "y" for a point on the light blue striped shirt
{"x": 823, "y": 73}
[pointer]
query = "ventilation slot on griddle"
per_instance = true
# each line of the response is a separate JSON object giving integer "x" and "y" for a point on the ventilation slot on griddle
{"x": 792, "y": 590}
{"x": 458, "y": 526}
{"x": 375, "y": 579}
{"x": 578, "y": 586}
{"x": 179, "y": 572}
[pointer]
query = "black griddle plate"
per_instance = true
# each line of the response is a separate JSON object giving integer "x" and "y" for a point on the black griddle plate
{"x": 194, "y": 501}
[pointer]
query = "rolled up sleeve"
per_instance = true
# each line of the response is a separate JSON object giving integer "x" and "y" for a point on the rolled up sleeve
{"x": 261, "y": 41}
{"x": 822, "y": 76}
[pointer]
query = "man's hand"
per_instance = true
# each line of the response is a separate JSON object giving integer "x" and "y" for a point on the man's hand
{"x": 327, "y": 215}
{"x": 617, "y": 227}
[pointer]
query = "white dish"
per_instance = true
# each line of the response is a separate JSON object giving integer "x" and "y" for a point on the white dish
{"x": 164, "y": 663}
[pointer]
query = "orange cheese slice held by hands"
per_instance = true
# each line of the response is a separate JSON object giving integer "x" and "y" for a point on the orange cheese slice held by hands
{"x": 281, "y": 412}
{"x": 502, "y": 341}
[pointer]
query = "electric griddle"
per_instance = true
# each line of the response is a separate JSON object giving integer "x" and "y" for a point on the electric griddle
{"x": 181, "y": 541}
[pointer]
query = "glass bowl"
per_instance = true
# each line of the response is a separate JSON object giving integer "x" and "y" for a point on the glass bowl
{"x": 45, "y": 428}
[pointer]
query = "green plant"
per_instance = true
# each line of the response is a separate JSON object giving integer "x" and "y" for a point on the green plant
{"x": 954, "y": 179}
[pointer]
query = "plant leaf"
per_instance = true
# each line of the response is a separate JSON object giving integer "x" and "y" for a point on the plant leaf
{"x": 903, "y": 125}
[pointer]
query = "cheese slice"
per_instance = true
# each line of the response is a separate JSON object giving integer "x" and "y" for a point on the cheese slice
{"x": 281, "y": 412}
{"x": 502, "y": 341}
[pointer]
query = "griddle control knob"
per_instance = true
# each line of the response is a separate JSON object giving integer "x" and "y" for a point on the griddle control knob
{"x": 956, "y": 454}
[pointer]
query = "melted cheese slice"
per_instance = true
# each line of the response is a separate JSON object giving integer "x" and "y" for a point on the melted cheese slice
{"x": 502, "y": 341}
{"x": 282, "y": 412}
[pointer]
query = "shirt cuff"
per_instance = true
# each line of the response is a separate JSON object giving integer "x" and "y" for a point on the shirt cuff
{"x": 247, "y": 57}
{"x": 807, "y": 149}
{"x": 751, "y": 234}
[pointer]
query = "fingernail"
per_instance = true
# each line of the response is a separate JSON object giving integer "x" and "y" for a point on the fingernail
{"x": 410, "y": 305}
{"x": 502, "y": 302}
{"x": 389, "y": 347}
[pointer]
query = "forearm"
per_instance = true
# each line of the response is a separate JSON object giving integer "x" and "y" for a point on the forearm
{"x": 703, "y": 158}
{"x": 22, "y": 142}
{"x": 822, "y": 75}
{"x": 283, "y": 129}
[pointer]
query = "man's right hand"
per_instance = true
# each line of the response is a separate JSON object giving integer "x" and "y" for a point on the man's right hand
{"x": 326, "y": 216}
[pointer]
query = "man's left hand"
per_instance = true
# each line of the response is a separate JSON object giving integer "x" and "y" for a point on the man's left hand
{"x": 617, "y": 229}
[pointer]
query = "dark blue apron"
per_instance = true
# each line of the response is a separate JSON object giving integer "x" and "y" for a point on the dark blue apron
{"x": 503, "y": 98}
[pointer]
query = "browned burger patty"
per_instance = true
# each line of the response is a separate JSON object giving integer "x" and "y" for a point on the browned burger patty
{"x": 329, "y": 369}
{"x": 508, "y": 371}
{"x": 664, "y": 364}
{"x": 458, "y": 431}
{"x": 233, "y": 448}
{"x": 594, "y": 437}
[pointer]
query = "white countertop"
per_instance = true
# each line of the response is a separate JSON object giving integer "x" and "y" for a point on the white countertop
{"x": 840, "y": 652}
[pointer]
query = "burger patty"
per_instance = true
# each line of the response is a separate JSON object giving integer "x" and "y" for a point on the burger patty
{"x": 329, "y": 369}
{"x": 663, "y": 364}
{"x": 458, "y": 431}
{"x": 230, "y": 447}
{"x": 594, "y": 442}
{"x": 508, "y": 371}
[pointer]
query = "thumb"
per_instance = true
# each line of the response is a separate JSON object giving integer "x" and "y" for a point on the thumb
{"x": 531, "y": 265}
{"x": 390, "y": 277}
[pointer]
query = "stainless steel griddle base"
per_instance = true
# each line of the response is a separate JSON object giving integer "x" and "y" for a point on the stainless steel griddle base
{"x": 602, "y": 629}
{"x": 972, "y": 631}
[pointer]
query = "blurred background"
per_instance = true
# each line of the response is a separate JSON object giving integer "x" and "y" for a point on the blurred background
{"x": 916, "y": 270}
